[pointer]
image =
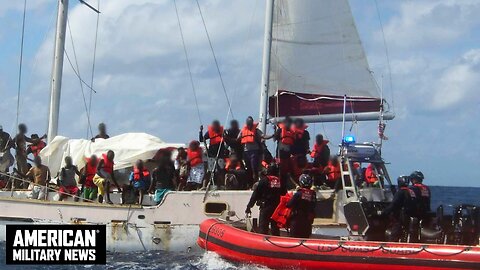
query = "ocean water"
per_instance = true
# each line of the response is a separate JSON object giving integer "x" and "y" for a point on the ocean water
{"x": 157, "y": 260}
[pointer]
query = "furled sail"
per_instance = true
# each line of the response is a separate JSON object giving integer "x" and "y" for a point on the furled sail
{"x": 316, "y": 59}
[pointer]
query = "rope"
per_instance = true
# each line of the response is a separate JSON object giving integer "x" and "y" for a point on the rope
{"x": 79, "y": 77}
{"x": 188, "y": 63}
{"x": 216, "y": 62}
{"x": 21, "y": 63}
{"x": 93, "y": 65}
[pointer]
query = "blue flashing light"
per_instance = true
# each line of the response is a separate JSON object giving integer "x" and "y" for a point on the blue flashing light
{"x": 349, "y": 139}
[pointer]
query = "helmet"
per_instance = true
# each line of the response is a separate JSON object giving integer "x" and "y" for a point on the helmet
{"x": 403, "y": 180}
{"x": 305, "y": 181}
{"x": 417, "y": 175}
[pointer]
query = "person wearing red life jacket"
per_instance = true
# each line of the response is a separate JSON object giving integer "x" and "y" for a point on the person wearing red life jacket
{"x": 88, "y": 172}
{"x": 140, "y": 180}
{"x": 36, "y": 146}
{"x": 105, "y": 176}
{"x": 320, "y": 152}
{"x": 197, "y": 167}
{"x": 235, "y": 177}
{"x": 333, "y": 173}
{"x": 371, "y": 177}
{"x": 267, "y": 196}
{"x": 301, "y": 143}
{"x": 251, "y": 139}
{"x": 423, "y": 193}
{"x": 303, "y": 208}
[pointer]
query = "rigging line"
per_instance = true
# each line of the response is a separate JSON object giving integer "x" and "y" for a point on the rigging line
{"x": 78, "y": 71}
{"x": 93, "y": 64}
{"x": 216, "y": 62}
{"x": 188, "y": 63}
{"x": 21, "y": 63}
{"x": 386, "y": 55}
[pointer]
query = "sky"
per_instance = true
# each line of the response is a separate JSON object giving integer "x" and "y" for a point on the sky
{"x": 142, "y": 84}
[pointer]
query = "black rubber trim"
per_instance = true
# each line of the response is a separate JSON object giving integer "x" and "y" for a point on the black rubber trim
{"x": 442, "y": 263}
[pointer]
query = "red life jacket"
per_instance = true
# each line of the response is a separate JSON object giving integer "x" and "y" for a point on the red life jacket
{"x": 299, "y": 131}
{"x": 423, "y": 189}
{"x": 282, "y": 213}
{"x": 334, "y": 172}
{"x": 287, "y": 137}
{"x": 215, "y": 137}
{"x": 274, "y": 181}
{"x": 195, "y": 157}
{"x": 90, "y": 170}
{"x": 370, "y": 175}
{"x": 137, "y": 175}
{"x": 228, "y": 165}
{"x": 248, "y": 135}
{"x": 317, "y": 149}
{"x": 410, "y": 191}
{"x": 36, "y": 148}
{"x": 107, "y": 164}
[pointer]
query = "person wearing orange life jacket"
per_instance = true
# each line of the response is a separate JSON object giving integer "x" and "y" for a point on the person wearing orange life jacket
{"x": 301, "y": 143}
{"x": 303, "y": 208}
{"x": 251, "y": 138}
{"x": 235, "y": 176}
{"x": 371, "y": 177}
{"x": 88, "y": 172}
{"x": 320, "y": 152}
{"x": 214, "y": 135}
{"x": 267, "y": 196}
{"x": 333, "y": 173}
{"x": 105, "y": 176}
{"x": 140, "y": 180}
{"x": 423, "y": 193}
{"x": 197, "y": 168}
{"x": 36, "y": 146}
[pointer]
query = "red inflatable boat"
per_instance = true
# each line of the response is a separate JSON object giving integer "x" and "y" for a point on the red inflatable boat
{"x": 292, "y": 253}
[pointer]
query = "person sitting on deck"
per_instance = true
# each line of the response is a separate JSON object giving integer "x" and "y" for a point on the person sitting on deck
{"x": 105, "y": 176}
{"x": 140, "y": 180}
{"x": 301, "y": 143}
{"x": 102, "y": 132}
{"x": 36, "y": 146}
{"x": 88, "y": 172}
{"x": 163, "y": 178}
{"x": 197, "y": 168}
{"x": 181, "y": 168}
{"x": 333, "y": 173}
{"x": 41, "y": 177}
{"x": 67, "y": 182}
{"x": 251, "y": 138}
{"x": 235, "y": 173}
{"x": 320, "y": 152}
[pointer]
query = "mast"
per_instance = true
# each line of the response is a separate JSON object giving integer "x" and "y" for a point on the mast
{"x": 267, "y": 48}
{"x": 57, "y": 69}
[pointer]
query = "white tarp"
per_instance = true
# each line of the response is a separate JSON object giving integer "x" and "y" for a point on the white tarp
{"x": 128, "y": 148}
{"x": 316, "y": 49}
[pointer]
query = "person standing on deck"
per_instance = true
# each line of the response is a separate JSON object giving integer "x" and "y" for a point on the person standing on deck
{"x": 197, "y": 168}
{"x": 216, "y": 148}
{"x": 88, "y": 172}
{"x": 423, "y": 193}
{"x": 140, "y": 180}
{"x": 303, "y": 208}
{"x": 6, "y": 159}
{"x": 333, "y": 173}
{"x": 163, "y": 179}
{"x": 41, "y": 177}
{"x": 181, "y": 168}
{"x": 267, "y": 195}
{"x": 21, "y": 141}
{"x": 320, "y": 152}
{"x": 102, "y": 132}
{"x": 231, "y": 139}
{"x": 301, "y": 144}
{"x": 105, "y": 176}
{"x": 67, "y": 183}
{"x": 251, "y": 138}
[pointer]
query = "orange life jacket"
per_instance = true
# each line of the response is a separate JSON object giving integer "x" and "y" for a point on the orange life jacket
{"x": 299, "y": 131}
{"x": 215, "y": 137}
{"x": 282, "y": 213}
{"x": 370, "y": 175}
{"x": 90, "y": 170}
{"x": 36, "y": 148}
{"x": 334, "y": 172}
{"x": 107, "y": 164}
{"x": 287, "y": 137}
{"x": 274, "y": 181}
{"x": 137, "y": 176}
{"x": 317, "y": 149}
{"x": 228, "y": 165}
{"x": 195, "y": 157}
{"x": 248, "y": 135}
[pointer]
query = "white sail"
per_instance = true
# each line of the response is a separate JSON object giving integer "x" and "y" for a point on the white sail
{"x": 317, "y": 58}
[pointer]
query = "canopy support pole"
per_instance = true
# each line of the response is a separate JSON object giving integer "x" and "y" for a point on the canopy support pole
{"x": 57, "y": 70}
{"x": 267, "y": 48}
{"x": 343, "y": 116}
